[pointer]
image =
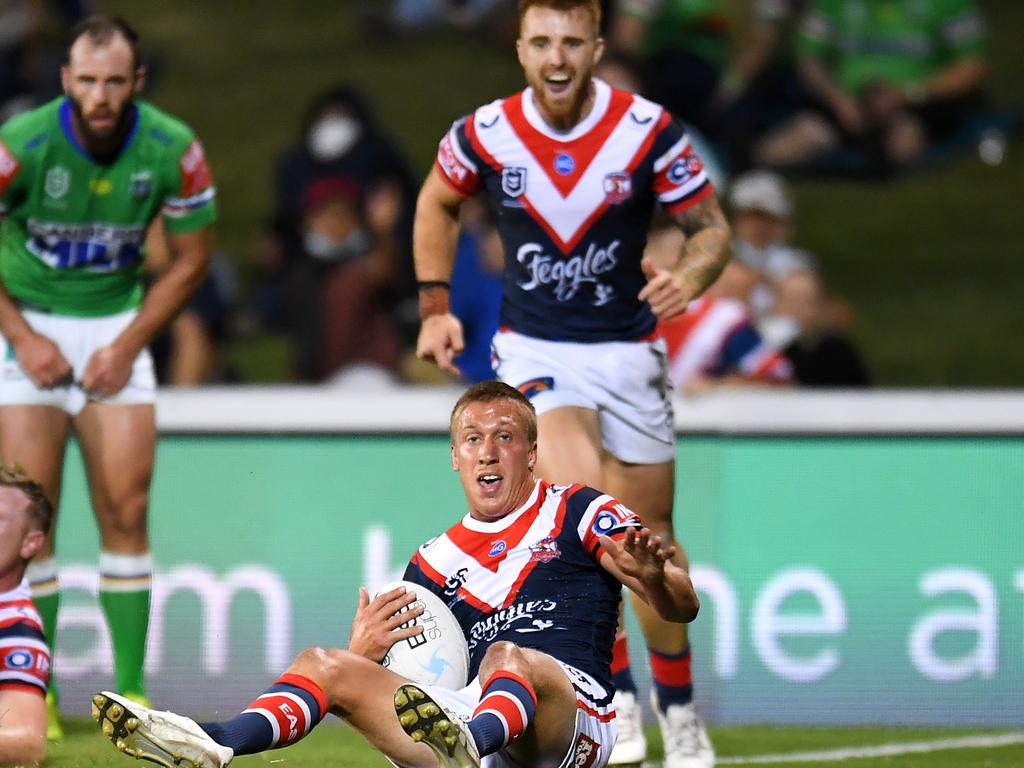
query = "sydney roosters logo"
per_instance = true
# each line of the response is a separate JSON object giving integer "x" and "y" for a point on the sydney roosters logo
{"x": 544, "y": 551}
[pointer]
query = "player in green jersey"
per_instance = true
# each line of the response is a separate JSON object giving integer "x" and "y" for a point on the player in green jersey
{"x": 81, "y": 178}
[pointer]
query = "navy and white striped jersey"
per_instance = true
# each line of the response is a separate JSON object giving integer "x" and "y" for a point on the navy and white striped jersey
{"x": 573, "y": 209}
{"x": 533, "y": 578}
{"x": 24, "y": 656}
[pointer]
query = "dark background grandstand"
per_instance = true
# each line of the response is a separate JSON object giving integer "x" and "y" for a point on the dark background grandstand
{"x": 931, "y": 263}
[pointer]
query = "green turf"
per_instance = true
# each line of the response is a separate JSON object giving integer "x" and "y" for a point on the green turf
{"x": 931, "y": 265}
{"x": 338, "y": 745}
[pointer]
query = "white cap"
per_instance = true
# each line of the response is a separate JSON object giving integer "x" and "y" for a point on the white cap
{"x": 761, "y": 191}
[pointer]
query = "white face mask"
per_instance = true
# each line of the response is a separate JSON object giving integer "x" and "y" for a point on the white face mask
{"x": 778, "y": 330}
{"x": 325, "y": 248}
{"x": 332, "y": 136}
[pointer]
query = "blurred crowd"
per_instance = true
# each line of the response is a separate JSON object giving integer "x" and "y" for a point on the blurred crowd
{"x": 769, "y": 90}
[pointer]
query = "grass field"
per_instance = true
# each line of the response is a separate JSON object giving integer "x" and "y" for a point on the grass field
{"x": 337, "y": 745}
{"x": 930, "y": 264}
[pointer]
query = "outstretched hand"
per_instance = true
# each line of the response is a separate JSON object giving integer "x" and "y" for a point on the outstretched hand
{"x": 378, "y": 624}
{"x": 665, "y": 292}
{"x": 639, "y": 554}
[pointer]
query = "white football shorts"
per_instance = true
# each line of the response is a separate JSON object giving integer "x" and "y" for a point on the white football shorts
{"x": 595, "y": 732}
{"x": 626, "y": 382}
{"x": 78, "y": 338}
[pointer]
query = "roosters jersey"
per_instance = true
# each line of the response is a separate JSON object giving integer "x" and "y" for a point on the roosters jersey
{"x": 24, "y": 657}
{"x": 573, "y": 209}
{"x": 533, "y": 577}
{"x": 715, "y": 337}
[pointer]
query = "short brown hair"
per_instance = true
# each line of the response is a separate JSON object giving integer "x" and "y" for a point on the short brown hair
{"x": 40, "y": 510}
{"x": 103, "y": 29}
{"x": 593, "y": 6}
{"x": 489, "y": 391}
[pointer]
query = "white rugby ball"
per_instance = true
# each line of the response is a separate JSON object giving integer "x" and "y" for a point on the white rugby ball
{"x": 439, "y": 656}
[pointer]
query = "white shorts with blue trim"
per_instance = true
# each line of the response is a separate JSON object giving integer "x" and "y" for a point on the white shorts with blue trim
{"x": 626, "y": 382}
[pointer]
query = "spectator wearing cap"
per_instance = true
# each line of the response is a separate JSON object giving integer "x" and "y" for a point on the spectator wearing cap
{"x": 762, "y": 213}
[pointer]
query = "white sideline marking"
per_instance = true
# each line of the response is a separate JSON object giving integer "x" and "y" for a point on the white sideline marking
{"x": 881, "y": 750}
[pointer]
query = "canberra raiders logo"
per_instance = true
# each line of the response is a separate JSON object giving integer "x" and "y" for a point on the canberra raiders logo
{"x": 58, "y": 181}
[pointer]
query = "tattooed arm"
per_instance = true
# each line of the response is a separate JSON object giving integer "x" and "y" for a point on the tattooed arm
{"x": 704, "y": 256}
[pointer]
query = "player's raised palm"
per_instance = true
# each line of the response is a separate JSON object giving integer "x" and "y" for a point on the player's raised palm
{"x": 639, "y": 554}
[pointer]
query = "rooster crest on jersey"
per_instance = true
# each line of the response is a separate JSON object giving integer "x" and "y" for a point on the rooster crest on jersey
{"x": 439, "y": 656}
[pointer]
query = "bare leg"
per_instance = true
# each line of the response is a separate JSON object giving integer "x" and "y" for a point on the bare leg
{"x": 118, "y": 444}
{"x": 35, "y": 436}
{"x": 569, "y": 446}
{"x": 362, "y": 693}
{"x": 648, "y": 489}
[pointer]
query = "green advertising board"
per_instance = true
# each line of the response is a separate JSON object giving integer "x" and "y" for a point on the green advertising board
{"x": 843, "y": 580}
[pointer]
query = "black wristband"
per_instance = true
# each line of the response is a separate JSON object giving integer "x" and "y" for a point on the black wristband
{"x": 425, "y": 285}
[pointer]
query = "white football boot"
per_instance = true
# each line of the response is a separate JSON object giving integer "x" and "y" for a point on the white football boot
{"x": 164, "y": 738}
{"x": 431, "y": 723}
{"x": 631, "y": 745}
{"x": 684, "y": 735}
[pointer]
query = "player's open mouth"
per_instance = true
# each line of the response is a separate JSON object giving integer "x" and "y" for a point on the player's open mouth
{"x": 489, "y": 481}
{"x": 558, "y": 83}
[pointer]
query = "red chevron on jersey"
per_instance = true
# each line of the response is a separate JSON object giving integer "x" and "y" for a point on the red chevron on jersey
{"x": 488, "y": 586}
{"x": 563, "y": 181}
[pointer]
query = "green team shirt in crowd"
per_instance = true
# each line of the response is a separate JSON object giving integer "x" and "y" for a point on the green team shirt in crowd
{"x": 702, "y": 27}
{"x": 73, "y": 231}
{"x": 902, "y": 42}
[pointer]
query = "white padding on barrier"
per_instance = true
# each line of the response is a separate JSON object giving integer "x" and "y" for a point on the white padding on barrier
{"x": 418, "y": 410}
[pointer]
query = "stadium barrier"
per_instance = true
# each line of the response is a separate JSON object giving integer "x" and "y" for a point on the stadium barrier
{"x": 859, "y": 556}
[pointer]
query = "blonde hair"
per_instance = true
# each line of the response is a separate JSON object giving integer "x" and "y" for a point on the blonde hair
{"x": 489, "y": 391}
{"x": 592, "y": 6}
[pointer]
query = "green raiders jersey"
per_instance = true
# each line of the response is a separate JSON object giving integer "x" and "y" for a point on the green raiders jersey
{"x": 73, "y": 229}
{"x": 898, "y": 41}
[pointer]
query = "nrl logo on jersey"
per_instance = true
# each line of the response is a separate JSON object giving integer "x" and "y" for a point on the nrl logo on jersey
{"x": 513, "y": 181}
{"x": 58, "y": 181}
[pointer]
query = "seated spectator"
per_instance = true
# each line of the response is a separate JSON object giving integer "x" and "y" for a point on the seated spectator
{"x": 819, "y": 351}
{"x": 337, "y": 293}
{"x": 761, "y": 87}
{"x": 341, "y": 141}
{"x": 715, "y": 343}
{"x": 888, "y": 79}
{"x": 684, "y": 46}
{"x": 761, "y": 217}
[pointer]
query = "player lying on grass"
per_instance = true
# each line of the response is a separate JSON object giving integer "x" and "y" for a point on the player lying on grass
{"x": 533, "y": 575}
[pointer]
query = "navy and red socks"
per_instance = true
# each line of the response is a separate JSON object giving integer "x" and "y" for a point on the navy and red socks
{"x": 506, "y": 709}
{"x": 279, "y": 717}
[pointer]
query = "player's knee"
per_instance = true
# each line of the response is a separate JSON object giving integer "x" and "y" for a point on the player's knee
{"x": 331, "y": 669}
{"x": 506, "y": 656}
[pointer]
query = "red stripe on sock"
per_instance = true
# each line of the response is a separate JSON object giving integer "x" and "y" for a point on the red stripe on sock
{"x": 506, "y": 706}
{"x": 309, "y": 686}
{"x": 620, "y": 653}
{"x": 291, "y": 720}
{"x": 672, "y": 670}
{"x": 511, "y": 676}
